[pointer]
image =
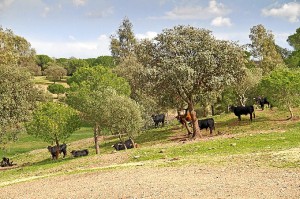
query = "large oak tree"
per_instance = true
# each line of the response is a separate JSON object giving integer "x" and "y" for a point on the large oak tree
{"x": 184, "y": 62}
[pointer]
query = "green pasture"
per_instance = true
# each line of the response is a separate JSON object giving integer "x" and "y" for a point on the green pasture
{"x": 270, "y": 140}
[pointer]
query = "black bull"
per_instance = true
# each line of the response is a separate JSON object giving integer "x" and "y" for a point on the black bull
{"x": 78, "y": 153}
{"x": 160, "y": 118}
{"x": 128, "y": 144}
{"x": 53, "y": 150}
{"x": 207, "y": 123}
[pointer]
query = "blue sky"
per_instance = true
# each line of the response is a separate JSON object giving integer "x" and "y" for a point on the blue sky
{"x": 82, "y": 28}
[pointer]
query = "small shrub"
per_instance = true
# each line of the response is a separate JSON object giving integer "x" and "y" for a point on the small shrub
{"x": 56, "y": 88}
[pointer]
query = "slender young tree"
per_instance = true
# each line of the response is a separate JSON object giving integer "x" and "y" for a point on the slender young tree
{"x": 53, "y": 123}
{"x": 123, "y": 44}
{"x": 103, "y": 99}
{"x": 263, "y": 48}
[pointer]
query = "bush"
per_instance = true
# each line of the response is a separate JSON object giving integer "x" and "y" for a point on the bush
{"x": 56, "y": 88}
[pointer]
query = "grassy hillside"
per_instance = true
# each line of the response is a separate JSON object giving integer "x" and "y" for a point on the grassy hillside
{"x": 270, "y": 140}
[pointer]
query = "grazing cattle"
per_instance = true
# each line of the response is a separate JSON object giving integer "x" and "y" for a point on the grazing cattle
{"x": 78, "y": 153}
{"x": 160, "y": 118}
{"x": 262, "y": 101}
{"x": 243, "y": 110}
{"x": 53, "y": 150}
{"x": 128, "y": 144}
{"x": 207, "y": 123}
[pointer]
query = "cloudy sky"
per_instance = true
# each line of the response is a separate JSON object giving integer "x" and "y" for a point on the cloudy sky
{"x": 81, "y": 28}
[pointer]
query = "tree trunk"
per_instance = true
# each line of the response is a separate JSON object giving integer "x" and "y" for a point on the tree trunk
{"x": 291, "y": 113}
{"x": 212, "y": 110}
{"x": 196, "y": 130}
{"x": 96, "y": 133}
{"x": 243, "y": 99}
{"x": 57, "y": 147}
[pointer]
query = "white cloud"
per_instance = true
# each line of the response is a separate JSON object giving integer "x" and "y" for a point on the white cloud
{"x": 147, "y": 35}
{"x": 290, "y": 11}
{"x": 78, "y": 49}
{"x": 220, "y": 21}
{"x": 101, "y": 13}
{"x": 46, "y": 11}
{"x": 4, "y": 4}
{"x": 79, "y": 2}
{"x": 197, "y": 12}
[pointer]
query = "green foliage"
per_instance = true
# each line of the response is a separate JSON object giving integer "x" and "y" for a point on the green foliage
{"x": 55, "y": 72}
{"x": 123, "y": 45}
{"x": 56, "y": 88}
{"x": 43, "y": 61}
{"x": 98, "y": 78}
{"x": 294, "y": 40}
{"x": 53, "y": 122}
{"x": 263, "y": 49}
{"x": 16, "y": 51}
{"x": 106, "y": 61}
{"x": 282, "y": 88}
{"x": 96, "y": 92}
{"x": 73, "y": 65}
{"x": 243, "y": 87}
{"x": 18, "y": 98}
{"x": 293, "y": 60}
{"x": 189, "y": 62}
{"x": 118, "y": 114}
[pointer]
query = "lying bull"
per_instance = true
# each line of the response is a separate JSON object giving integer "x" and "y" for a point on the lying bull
{"x": 54, "y": 151}
{"x": 6, "y": 162}
{"x": 128, "y": 144}
{"x": 78, "y": 153}
{"x": 207, "y": 123}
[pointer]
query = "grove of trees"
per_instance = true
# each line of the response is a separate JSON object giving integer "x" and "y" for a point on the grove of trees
{"x": 182, "y": 67}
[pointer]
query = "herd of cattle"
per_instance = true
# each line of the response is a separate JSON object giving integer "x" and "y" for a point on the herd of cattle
{"x": 63, "y": 149}
{"x": 128, "y": 144}
{"x": 183, "y": 118}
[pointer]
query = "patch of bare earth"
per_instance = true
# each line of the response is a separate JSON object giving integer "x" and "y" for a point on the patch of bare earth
{"x": 168, "y": 182}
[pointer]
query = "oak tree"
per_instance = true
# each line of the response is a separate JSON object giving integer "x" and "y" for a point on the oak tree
{"x": 186, "y": 62}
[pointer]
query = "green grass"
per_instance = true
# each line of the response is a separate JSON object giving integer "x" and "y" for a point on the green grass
{"x": 225, "y": 147}
{"x": 267, "y": 141}
{"x": 27, "y": 143}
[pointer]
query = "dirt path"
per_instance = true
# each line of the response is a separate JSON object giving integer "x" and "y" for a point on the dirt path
{"x": 174, "y": 182}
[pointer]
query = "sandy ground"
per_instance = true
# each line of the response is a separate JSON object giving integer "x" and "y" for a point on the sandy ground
{"x": 168, "y": 182}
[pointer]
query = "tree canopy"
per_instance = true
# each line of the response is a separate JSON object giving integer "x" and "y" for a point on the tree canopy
{"x": 123, "y": 44}
{"x": 294, "y": 40}
{"x": 103, "y": 99}
{"x": 18, "y": 98}
{"x": 16, "y": 51}
{"x": 282, "y": 87}
{"x": 186, "y": 61}
{"x": 53, "y": 122}
{"x": 263, "y": 48}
